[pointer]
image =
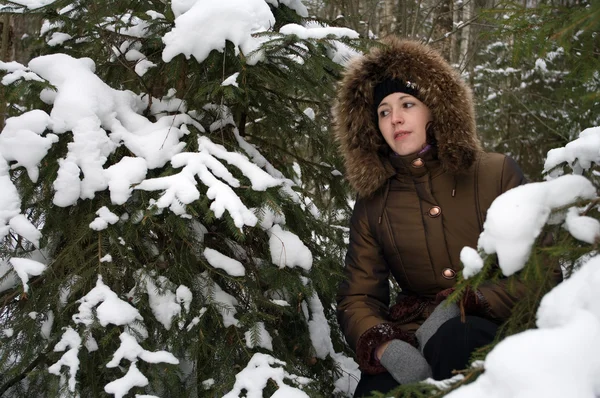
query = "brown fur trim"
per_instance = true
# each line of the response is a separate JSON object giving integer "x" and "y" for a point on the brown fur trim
{"x": 407, "y": 309}
{"x": 373, "y": 338}
{"x": 440, "y": 88}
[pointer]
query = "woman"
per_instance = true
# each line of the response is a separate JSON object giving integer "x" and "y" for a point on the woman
{"x": 405, "y": 123}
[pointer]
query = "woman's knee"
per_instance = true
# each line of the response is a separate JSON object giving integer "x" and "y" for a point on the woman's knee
{"x": 456, "y": 336}
{"x": 453, "y": 344}
{"x": 473, "y": 326}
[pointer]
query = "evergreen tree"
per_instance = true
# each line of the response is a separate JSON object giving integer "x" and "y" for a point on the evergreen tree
{"x": 537, "y": 82}
{"x": 171, "y": 204}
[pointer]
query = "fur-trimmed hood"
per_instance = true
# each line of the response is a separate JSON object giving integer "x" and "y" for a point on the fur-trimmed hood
{"x": 440, "y": 88}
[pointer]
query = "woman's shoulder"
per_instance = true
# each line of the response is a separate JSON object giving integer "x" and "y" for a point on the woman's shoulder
{"x": 500, "y": 169}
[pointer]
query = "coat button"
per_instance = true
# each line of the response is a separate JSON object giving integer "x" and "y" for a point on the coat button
{"x": 449, "y": 273}
{"x": 435, "y": 211}
{"x": 417, "y": 163}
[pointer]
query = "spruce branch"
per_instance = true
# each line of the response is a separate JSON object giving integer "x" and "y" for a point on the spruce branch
{"x": 40, "y": 360}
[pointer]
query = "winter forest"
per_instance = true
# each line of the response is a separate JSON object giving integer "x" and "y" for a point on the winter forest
{"x": 174, "y": 213}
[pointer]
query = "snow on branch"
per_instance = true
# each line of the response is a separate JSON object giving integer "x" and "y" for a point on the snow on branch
{"x": 223, "y": 301}
{"x": 221, "y": 261}
{"x": 320, "y": 337}
{"x": 560, "y": 358}
{"x": 516, "y": 218}
{"x": 317, "y": 32}
{"x": 201, "y": 27}
{"x": 25, "y": 268}
{"x": 10, "y": 208}
{"x": 70, "y": 340}
{"x": 133, "y": 378}
{"x": 165, "y": 304}
{"x": 287, "y": 250}
{"x": 21, "y": 141}
{"x": 131, "y": 350}
{"x": 578, "y": 154}
{"x": 111, "y": 308}
{"x": 182, "y": 187}
{"x": 253, "y": 379}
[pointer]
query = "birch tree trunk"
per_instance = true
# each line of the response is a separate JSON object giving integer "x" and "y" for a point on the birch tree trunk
{"x": 388, "y": 18}
{"x": 4, "y": 56}
{"x": 442, "y": 26}
{"x": 468, "y": 11}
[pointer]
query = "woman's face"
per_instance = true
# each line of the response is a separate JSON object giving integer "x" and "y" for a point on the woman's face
{"x": 403, "y": 121}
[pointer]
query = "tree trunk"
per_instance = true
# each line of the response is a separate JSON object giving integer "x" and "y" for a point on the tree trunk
{"x": 468, "y": 11}
{"x": 387, "y": 19}
{"x": 442, "y": 27}
{"x": 4, "y": 56}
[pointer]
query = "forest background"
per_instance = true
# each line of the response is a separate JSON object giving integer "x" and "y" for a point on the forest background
{"x": 534, "y": 67}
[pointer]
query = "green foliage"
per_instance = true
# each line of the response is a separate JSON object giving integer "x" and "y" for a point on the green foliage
{"x": 537, "y": 80}
{"x": 281, "y": 107}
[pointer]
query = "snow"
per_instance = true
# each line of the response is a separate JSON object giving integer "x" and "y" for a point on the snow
{"x": 320, "y": 337}
{"x": 260, "y": 369}
{"x": 204, "y": 25}
{"x": 586, "y": 229}
{"x": 221, "y": 261}
{"x": 224, "y": 302}
{"x": 295, "y": 5}
{"x": 58, "y": 38}
{"x": 22, "y": 141}
{"x": 104, "y": 218}
{"x": 184, "y": 296}
{"x": 560, "y": 358}
{"x": 22, "y": 226}
{"x": 164, "y": 303}
{"x": 46, "y": 326}
{"x": 25, "y": 268}
{"x": 111, "y": 308}
{"x": 120, "y": 387}
{"x": 33, "y": 4}
{"x": 287, "y": 250}
{"x": 131, "y": 350}
{"x": 11, "y": 66}
{"x": 317, "y": 32}
{"x": 579, "y": 154}
{"x": 70, "y": 340}
{"x": 515, "y": 218}
{"x": 231, "y": 80}
{"x": 264, "y": 339}
{"x": 473, "y": 262}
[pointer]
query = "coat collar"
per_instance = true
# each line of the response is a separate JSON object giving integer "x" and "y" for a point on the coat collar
{"x": 416, "y": 165}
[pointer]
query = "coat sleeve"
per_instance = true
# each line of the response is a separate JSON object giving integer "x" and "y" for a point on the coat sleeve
{"x": 363, "y": 295}
{"x": 498, "y": 298}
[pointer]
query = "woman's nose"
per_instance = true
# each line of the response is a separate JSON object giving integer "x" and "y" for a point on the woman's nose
{"x": 397, "y": 118}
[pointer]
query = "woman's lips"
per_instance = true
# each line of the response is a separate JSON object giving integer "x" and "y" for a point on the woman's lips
{"x": 400, "y": 134}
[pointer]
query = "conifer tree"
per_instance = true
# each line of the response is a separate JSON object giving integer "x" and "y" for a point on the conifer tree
{"x": 536, "y": 81}
{"x": 171, "y": 206}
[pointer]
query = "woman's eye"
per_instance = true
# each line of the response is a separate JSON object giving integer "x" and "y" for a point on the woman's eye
{"x": 409, "y": 104}
{"x": 384, "y": 113}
